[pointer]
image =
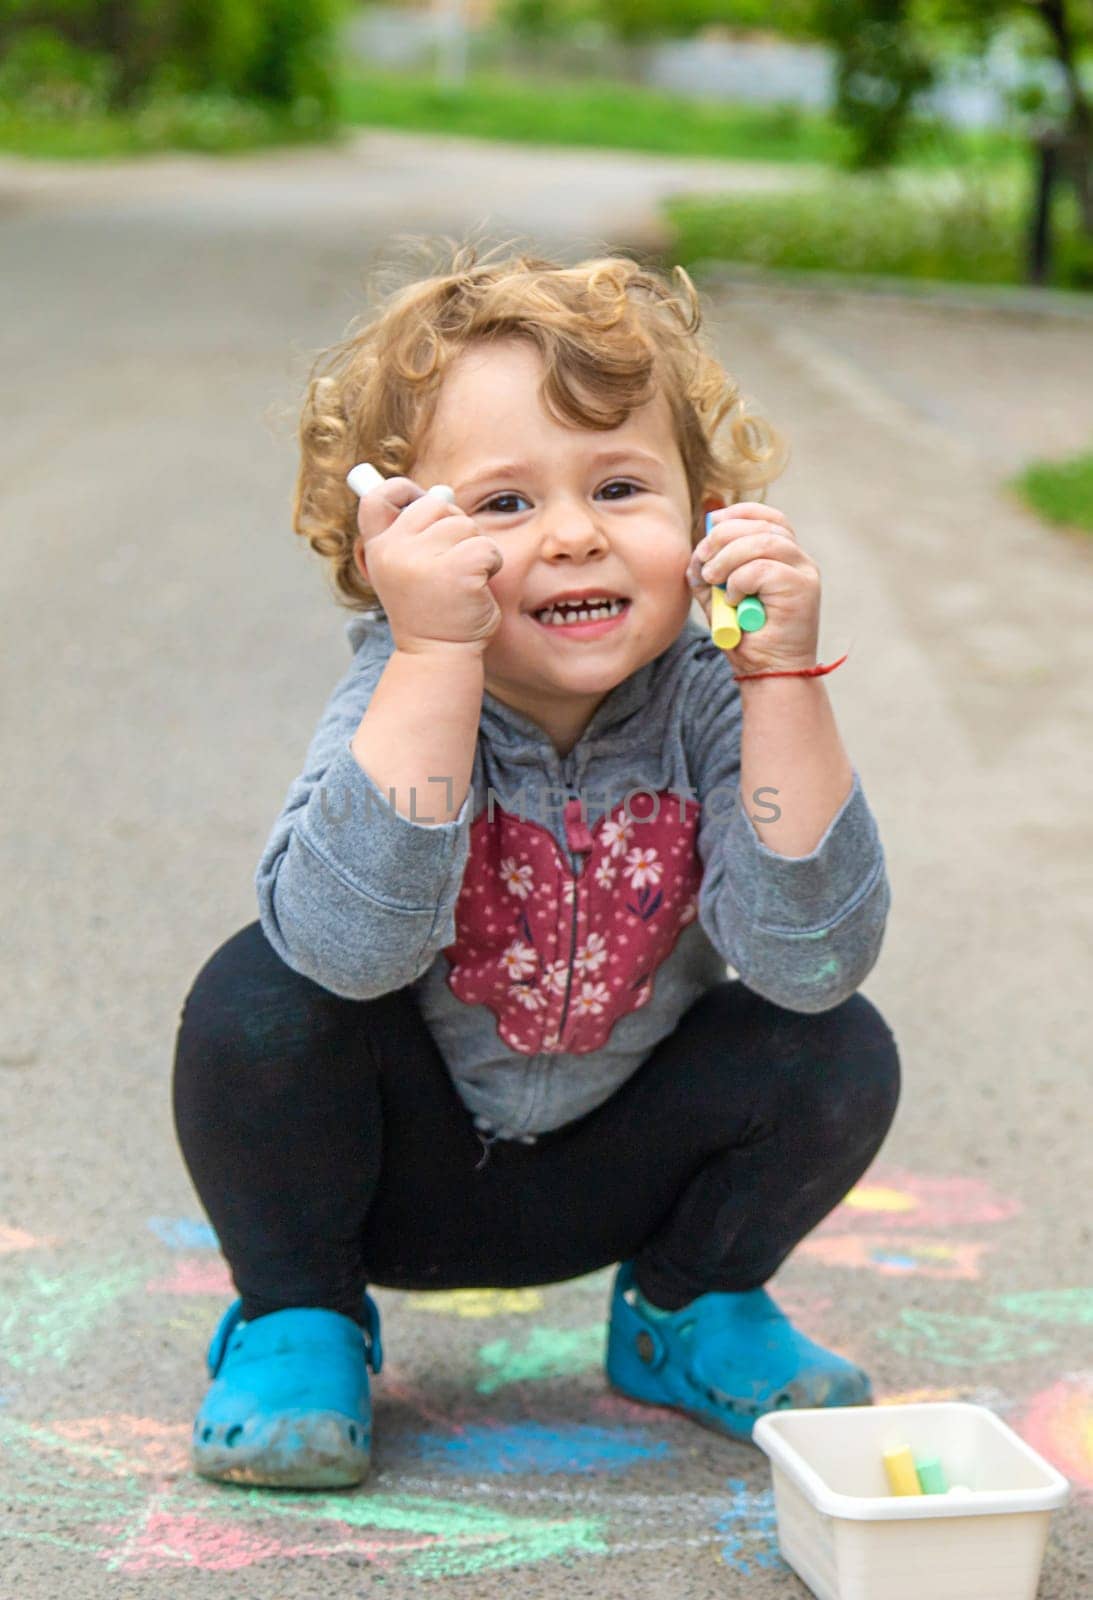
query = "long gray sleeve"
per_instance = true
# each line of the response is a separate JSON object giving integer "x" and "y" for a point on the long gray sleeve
{"x": 802, "y": 931}
{"x": 350, "y": 893}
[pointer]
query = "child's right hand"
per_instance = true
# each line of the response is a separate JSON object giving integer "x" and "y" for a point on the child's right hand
{"x": 430, "y": 567}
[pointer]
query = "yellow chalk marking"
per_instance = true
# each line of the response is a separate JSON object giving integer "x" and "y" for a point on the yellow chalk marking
{"x": 478, "y": 1302}
{"x": 871, "y": 1197}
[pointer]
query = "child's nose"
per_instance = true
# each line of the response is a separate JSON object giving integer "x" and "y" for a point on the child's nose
{"x": 572, "y": 526}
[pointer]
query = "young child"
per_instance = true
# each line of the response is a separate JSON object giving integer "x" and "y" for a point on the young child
{"x": 483, "y": 1032}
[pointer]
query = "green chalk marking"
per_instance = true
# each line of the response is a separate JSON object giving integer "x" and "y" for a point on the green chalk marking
{"x": 931, "y": 1477}
{"x": 1067, "y": 1307}
{"x": 548, "y": 1353}
{"x": 954, "y": 1341}
{"x": 47, "y": 1322}
{"x": 474, "y": 1537}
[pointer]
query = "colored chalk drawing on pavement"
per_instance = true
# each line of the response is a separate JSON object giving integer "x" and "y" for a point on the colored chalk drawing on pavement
{"x": 750, "y": 1530}
{"x": 546, "y": 1353}
{"x": 1058, "y": 1423}
{"x": 184, "y": 1233}
{"x": 478, "y": 1302}
{"x": 737, "y": 1526}
{"x": 48, "y": 1316}
{"x": 194, "y": 1275}
{"x": 1065, "y": 1307}
{"x": 122, "y": 1491}
{"x": 958, "y": 1341}
{"x": 898, "y": 1256}
{"x": 905, "y": 1200}
{"x": 13, "y": 1239}
{"x": 534, "y": 1448}
{"x": 883, "y": 1225}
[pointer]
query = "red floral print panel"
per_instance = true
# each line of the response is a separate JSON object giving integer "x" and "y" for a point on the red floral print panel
{"x": 559, "y": 959}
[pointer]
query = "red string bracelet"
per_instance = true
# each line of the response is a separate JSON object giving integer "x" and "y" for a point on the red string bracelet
{"x": 799, "y": 672}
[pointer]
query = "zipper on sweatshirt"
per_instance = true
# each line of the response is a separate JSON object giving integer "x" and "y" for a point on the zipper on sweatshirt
{"x": 580, "y": 842}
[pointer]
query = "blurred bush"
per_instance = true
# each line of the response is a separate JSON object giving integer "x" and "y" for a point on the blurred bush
{"x": 1061, "y": 491}
{"x": 60, "y": 58}
{"x": 958, "y": 228}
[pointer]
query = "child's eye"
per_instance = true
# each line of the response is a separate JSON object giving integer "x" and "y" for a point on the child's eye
{"x": 495, "y": 503}
{"x": 621, "y": 483}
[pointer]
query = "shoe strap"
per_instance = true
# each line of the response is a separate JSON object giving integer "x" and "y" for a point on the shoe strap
{"x": 219, "y": 1343}
{"x": 372, "y": 1346}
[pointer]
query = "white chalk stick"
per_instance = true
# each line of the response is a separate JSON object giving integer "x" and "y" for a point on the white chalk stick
{"x": 363, "y": 477}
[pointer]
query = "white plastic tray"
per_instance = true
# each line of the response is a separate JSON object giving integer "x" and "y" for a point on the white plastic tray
{"x": 849, "y": 1538}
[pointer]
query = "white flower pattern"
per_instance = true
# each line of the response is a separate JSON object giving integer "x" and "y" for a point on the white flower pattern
{"x": 531, "y": 999}
{"x": 517, "y": 880}
{"x": 643, "y": 867}
{"x": 616, "y": 834}
{"x": 605, "y": 874}
{"x": 592, "y": 955}
{"x": 592, "y": 998}
{"x": 518, "y": 959}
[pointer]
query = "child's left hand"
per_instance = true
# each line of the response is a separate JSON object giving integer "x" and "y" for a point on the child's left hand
{"x": 751, "y": 549}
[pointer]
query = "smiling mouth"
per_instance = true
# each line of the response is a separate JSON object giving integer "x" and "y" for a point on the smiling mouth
{"x": 572, "y": 619}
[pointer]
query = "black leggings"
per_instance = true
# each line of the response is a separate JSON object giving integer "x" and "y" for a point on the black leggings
{"x": 330, "y": 1148}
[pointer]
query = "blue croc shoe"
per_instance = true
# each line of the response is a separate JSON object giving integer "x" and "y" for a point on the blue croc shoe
{"x": 289, "y": 1405}
{"x": 724, "y": 1359}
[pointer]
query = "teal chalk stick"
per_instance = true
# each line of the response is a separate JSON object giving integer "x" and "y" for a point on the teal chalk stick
{"x": 750, "y": 614}
{"x": 931, "y": 1476}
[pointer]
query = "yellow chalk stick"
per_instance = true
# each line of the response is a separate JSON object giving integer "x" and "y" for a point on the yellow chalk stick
{"x": 725, "y": 631}
{"x": 900, "y": 1468}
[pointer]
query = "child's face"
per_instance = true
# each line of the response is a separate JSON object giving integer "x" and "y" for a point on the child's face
{"x": 565, "y": 518}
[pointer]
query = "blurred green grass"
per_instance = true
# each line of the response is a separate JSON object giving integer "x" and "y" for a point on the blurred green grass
{"x": 617, "y": 116}
{"x": 592, "y": 112}
{"x": 1061, "y": 491}
{"x": 960, "y": 227}
{"x": 212, "y": 124}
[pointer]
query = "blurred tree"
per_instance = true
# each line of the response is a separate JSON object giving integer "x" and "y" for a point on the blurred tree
{"x": 1059, "y": 31}
{"x": 640, "y": 19}
{"x": 883, "y": 63}
{"x": 889, "y": 49}
{"x": 279, "y": 52}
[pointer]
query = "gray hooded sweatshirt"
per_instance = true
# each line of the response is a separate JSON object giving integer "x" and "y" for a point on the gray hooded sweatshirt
{"x": 559, "y": 927}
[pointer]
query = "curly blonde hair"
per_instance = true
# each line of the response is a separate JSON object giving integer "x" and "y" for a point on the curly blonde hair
{"x": 610, "y": 332}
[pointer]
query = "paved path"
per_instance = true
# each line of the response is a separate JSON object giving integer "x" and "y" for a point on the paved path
{"x": 168, "y": 649}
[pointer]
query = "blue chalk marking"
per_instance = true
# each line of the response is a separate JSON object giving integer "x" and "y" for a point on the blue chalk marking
{"x": 750, "y": 1527}
{"x": 183, "y": 1233}
{"x": 885, "y": 1258}
{"x": 529, "y": 1447}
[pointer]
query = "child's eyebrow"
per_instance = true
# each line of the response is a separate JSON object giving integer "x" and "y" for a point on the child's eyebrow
{"x": 514, "y": 469}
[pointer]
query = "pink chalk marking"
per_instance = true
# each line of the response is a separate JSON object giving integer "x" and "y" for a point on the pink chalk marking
{"x": 194, "y": 1275}
{"x": 169, "y": 1539}
{"x": 1059, "y": 1423}
{"x": 898, "y": 1199}
{"x": 403, "y": 1393}
{"x": 616, "y": 1408}
{"x": 139, "y": 1445}
{"x": 12, "y": 1239}
{"x": 929, "y": 1258}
